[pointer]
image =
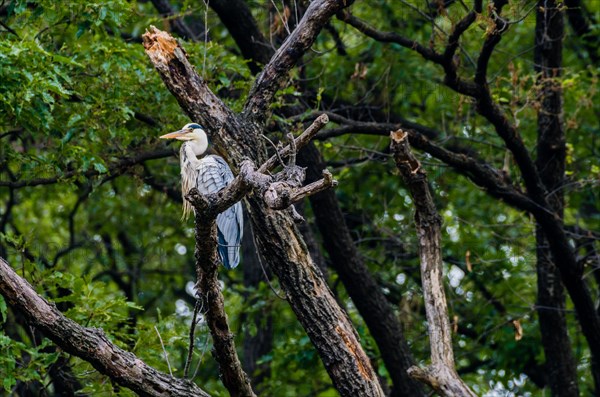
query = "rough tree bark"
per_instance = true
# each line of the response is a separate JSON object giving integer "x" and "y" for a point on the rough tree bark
{"x": 212, "y": 302}
{"x": 89, "y": 344}
{"x": 551, "y": 153}
{"x": 279, "y": 242}
{"x": 441, "y": 374}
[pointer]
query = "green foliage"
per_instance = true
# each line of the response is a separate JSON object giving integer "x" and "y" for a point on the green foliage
{"x": 107, "y": 245}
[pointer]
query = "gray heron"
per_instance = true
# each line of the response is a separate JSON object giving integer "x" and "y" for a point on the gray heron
{"x": 209, "y": 173}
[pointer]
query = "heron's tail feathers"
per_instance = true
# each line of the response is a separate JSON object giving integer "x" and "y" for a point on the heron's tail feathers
{"x": 230, "y": 255}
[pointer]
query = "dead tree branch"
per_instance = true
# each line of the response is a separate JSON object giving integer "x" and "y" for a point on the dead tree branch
{"x": 89, "y": 344}
{"x": 441, "y": 374}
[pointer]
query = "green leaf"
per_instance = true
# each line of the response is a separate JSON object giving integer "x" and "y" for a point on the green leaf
{"x": 3, "y": 309}
{"x": 101, "y": 168}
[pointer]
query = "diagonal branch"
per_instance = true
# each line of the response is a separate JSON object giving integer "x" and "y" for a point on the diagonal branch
{"x": 280, "y": 196}
{"x": 117, "y": 168}
{"x": 89, "y": 344}
{"x": 299, "y": 142}
{"x": 212, "y": 302}
{"x": 298, "y": 42}
{"x": 388, "y": 37}
{"x": 481, "y": 173}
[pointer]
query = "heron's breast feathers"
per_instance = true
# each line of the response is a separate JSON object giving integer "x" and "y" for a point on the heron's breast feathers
{"x": 208, "y": 174}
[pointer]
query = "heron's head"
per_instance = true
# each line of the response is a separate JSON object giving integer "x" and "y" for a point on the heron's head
{"x": 194, "y": 135}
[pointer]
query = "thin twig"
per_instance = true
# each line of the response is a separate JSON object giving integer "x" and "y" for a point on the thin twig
{"x": 9, "y": 29}
{"x": 164, "y": 350}
{"x": 201, "y": 356}
{"x": 188, "y": 360}
{"x": 274, "y": 147}
{"x": 302, "y": 140}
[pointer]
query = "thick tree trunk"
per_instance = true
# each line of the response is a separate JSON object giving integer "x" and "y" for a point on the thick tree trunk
{"x": 309, "y": 296}
{"x": 380, "y": 318}
{"x": 551, "y": 151}
{"x": 358, "y": 281}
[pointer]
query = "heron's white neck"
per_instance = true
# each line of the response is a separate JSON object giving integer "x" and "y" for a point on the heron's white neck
{"x": 198, "y": 145}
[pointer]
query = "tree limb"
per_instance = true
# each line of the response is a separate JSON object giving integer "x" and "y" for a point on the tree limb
{"x": 89, "y": 344}
{"x": 480, "y": 172}
{"x": 441, "y": 374}
{"x": 212, "y": 302}
{"x": 117, "y": 168}
{"x": 298, "y": 42}
{"x": 388, "y": 37}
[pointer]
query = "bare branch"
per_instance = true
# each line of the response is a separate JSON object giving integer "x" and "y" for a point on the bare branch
{"x": 117, "y": 168}
{"x": 298, "y": 42}
{"x": 192, "y": 338}
{"x": 209, "y": 292}
{"x": 441, "y": 374}
{"x": 89, "y": 344}
{"x": 281, "y": 195}
{"x": 299, "y": 142}
{"x": 388, "y": 37}
{"x": 492, "y": 39}
{"x": 481, "y": 173}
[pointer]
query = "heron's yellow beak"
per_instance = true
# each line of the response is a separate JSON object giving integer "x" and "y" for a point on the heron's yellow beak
{"x": 181, "y": 134}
